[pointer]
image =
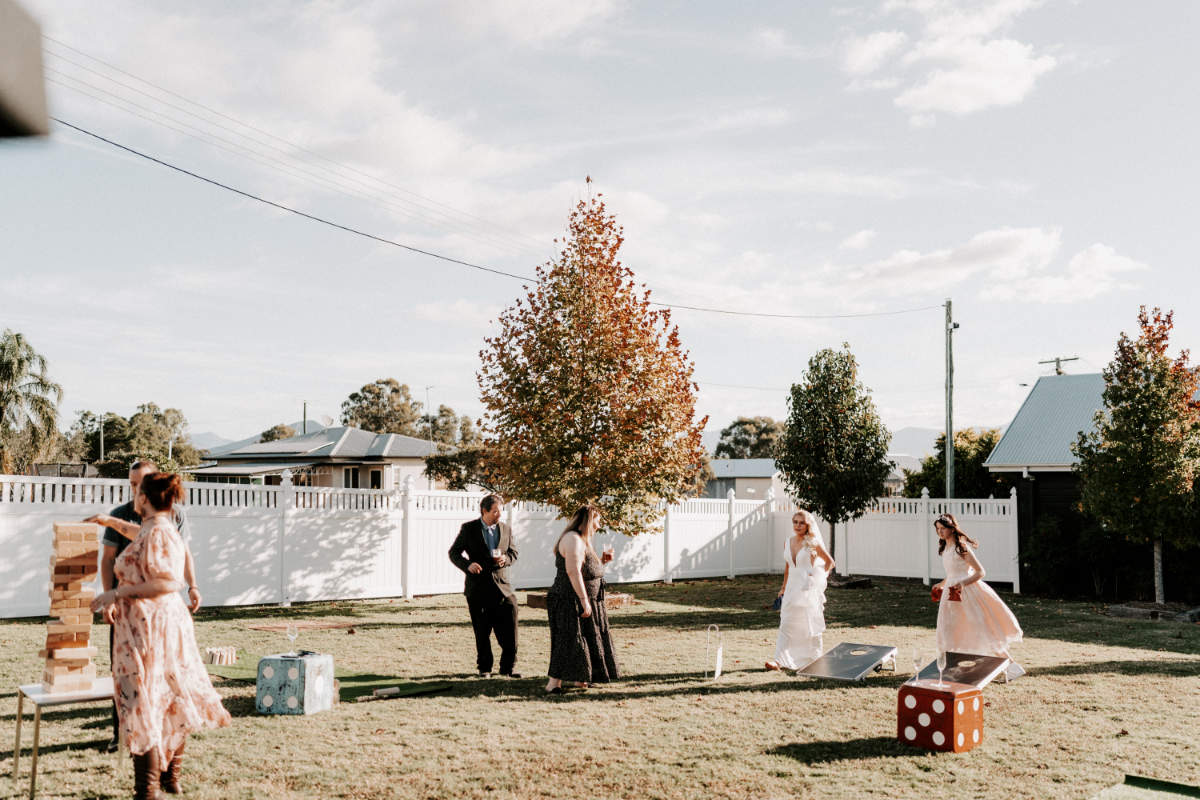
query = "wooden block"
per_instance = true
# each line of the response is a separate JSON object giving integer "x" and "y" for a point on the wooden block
{"x": 73, "y": 653}
{"x": 70, "y": 530}
{"x": 87, "y": 559}
{"x": 59, "y": 627}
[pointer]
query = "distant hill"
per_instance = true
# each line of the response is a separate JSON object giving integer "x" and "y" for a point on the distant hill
{"x": 208, "y": 440}
{"x": 228, "y": 445}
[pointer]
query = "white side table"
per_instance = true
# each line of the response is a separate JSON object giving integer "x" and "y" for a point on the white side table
{"x": 102, "y": 689}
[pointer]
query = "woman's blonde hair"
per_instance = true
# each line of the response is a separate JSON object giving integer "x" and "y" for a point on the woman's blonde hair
{"x": 813, "y": 530}
{"x": 581, "y": 523}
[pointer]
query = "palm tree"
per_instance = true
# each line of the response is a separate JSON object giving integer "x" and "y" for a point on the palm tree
{"x": 28, "y": 398}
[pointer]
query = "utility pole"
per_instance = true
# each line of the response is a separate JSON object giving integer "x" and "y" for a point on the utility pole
{"x": 950, "y": 326}
{"x": 102, "y": 436}
{"x": 304, "y": 422}
{"x": 1057, "y": 361}
{"x": 429, "y": 419}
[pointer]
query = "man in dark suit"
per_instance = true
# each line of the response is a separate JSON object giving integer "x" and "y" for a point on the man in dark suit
{"x": 490, "y": 597}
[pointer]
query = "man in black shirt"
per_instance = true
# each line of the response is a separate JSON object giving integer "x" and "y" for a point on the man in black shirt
{"x": 121, "y": 528}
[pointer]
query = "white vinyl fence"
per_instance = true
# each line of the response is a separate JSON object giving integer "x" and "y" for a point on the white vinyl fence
{"x": 279, "y": 544}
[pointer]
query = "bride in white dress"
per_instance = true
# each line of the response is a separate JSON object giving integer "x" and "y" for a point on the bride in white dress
{"x": 807, "y": 565}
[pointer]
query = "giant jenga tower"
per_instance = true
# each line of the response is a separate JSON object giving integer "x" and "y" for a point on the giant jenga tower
{"x": 68, "y": 652}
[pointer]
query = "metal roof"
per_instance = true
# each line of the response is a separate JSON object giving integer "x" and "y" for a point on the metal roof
{"x": 1057, "y": 410}
{"x": 334, "y": 443}
{"x": 743, "y": 467}
{"x": 250, "y": 468}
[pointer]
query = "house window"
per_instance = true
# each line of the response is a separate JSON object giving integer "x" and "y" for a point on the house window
{"x": 376, "y": 479}
{"x": 350, "y": 478}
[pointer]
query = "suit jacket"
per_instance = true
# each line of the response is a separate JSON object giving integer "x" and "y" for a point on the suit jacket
{"x": 490, "y": 585}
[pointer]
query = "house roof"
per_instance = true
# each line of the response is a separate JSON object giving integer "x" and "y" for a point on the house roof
{"x": 340, "y": 443}
{"x": 249, "y": 468}
{"x": 743, "y": 467}
{"x": 1057, "y": 409}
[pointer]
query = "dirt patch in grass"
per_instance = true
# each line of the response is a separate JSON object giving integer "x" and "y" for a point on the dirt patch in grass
{"x": 1103, "y": 697}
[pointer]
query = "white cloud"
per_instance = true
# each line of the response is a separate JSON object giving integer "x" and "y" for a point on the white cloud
{"x": 959, "y": 64}
{"x": 532, "y": 21}
{"x": 858, "y": 241}
{"x": 974, "y": 75}
{"x": 866, "y": 54}
{"x": 1091, "y": 272}
{"x": 775, "y": 43}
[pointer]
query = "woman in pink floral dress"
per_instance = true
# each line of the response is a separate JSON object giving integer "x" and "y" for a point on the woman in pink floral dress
{"x": 162, "y": 689}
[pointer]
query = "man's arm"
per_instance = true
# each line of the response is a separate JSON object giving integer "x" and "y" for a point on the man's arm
{"x": 456, "y": 550}
{"x": 511, "y": 553}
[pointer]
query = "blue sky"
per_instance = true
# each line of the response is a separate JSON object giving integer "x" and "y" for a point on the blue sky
{"x": 1030, "y": 160}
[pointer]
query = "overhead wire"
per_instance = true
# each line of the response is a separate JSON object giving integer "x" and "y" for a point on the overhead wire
{"x": 440, "y": 256}
{"x": 448, "y": 210}
{"x": 236, "y": 149}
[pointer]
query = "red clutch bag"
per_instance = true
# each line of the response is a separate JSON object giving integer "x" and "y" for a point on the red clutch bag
{"x": 935, "y": 594}
{"x": 955, "y": 594}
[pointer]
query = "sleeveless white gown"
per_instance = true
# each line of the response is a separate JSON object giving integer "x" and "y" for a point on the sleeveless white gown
{"x": 802, "y": 612}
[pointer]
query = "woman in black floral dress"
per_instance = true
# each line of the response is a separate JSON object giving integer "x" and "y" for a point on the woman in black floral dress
{"x": 580, "y": 645}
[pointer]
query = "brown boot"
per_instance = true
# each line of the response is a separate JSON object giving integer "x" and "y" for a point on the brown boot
{"x": 145, "y": 776}
{"x": 170, "y": 776}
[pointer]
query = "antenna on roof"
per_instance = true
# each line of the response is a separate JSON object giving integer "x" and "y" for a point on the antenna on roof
{"x": 1057, "y": 361}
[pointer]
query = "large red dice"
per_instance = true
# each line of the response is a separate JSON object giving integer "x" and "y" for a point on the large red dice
{"x": 949, "y": 717}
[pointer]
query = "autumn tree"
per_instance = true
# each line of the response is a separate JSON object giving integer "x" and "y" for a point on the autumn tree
{"x": 749, "y": 437}
{"x": 588, "y": 391}
{"x": 1139, "y": 467}
{"x": 464, "y": 468}
{"x": 28, "y": 402}
{"x": 383, "y": 406}
{"x": 971, "y": 477}
{"x": 277, "y": 432}
{"x": 833, "y": 452}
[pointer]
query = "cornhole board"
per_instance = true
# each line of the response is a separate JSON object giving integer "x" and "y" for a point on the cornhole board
{"x": 973, "y": 670}
{"x": 851, "y": 662}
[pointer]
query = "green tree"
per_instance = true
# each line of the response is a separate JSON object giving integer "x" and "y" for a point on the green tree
{"x": 277, "y": 432}
{"x": 588, "y": 390}
{"x": 833, "y": 452}
{"x": 1139, "y": 467}
{"x": 153, "y": 433}
{"x": 749, "y": 437}
{"x": 971, "y": 477}
{"x": 383, "y": 406}
{"x": 464, "y": 468}
{"x": 448, "y": 429}
{"x": 28, "y": 400}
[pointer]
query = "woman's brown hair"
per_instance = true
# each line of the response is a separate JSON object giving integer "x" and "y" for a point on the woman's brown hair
{"x": 960, "y": 535}
{"x": 580, "y": 522}
{"x": 162, "y": 489}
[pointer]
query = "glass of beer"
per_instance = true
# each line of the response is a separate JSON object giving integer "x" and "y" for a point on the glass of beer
{"x": 497, "y": 554}
{"x": 608, "y": 552}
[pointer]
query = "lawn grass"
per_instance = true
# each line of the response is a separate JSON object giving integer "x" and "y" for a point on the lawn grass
{"x": 1103, "y": 697}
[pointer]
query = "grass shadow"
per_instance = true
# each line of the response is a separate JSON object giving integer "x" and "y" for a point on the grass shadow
{"x": 854, "y": 749}
{"x": 44, "y": 749}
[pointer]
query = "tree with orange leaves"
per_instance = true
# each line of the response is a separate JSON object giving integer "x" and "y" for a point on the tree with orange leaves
{"x": 587, "y": 388}
{"x": 1140, "y": 466}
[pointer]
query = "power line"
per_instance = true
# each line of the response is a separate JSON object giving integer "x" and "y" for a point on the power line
{"x": 270, "y": 162}
{"x": 439, "y": 256}
{"x": 524, "y": 241}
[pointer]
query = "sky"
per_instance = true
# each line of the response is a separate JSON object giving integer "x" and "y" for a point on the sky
{"x": 1028, "y": 160}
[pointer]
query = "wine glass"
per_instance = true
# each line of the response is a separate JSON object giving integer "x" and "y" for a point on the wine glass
{"x": 916, "y": 661}
{"x": 941, "y": 664}
{"x": 292, "y": 633}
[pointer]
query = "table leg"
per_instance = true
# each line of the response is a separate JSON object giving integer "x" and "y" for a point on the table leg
{"x": 37, "y": 729}
{"x": 17, "y": 746}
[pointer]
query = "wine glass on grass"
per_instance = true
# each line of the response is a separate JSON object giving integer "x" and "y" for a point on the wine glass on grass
{"x": 916, "y": 661}
{"x": 941, "y": 664}
{"x": 292, "y": 633}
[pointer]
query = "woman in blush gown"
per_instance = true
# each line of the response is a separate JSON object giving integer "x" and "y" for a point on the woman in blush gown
{"x": 971, "y": 616}
{"x": 802, "y": 611}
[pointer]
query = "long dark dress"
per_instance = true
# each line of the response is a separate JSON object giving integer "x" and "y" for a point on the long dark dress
{"x": 580, "y": 648}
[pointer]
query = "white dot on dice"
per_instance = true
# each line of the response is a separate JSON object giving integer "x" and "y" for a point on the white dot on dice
{"x": 910, "y": 733}
{"x": 961, "y": 739}
{"x": 939, "y": 738}
{"x": 961, "y": 707}
{"x": 923, "y": 720}
{"x": 268, "y": 701}
{"x": 293, "y": 673}
{"x": 910, "y": 702}
{"x": 938, "y": 706}
{"x": 975, "y": 705}
{"x": 292, "y": 702}
{"x": 975, "y": 735}
{"x": 268, "y": 672}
